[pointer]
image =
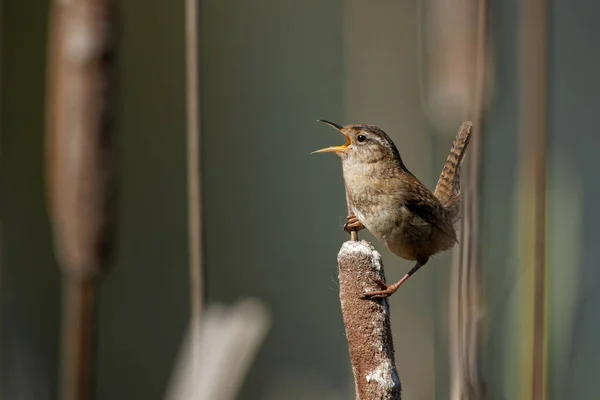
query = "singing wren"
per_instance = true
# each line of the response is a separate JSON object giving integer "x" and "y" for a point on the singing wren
{"x": 388, "y": 200}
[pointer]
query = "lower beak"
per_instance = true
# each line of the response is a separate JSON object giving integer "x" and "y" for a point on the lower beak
{"x": 334, "y": 149}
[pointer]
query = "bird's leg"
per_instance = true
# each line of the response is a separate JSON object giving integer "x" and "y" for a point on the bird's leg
{"x": 353, "y": 224}
{"x": 387, "y": 291}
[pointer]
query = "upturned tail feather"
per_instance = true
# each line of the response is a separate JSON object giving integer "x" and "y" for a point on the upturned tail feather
{"x": 447, "y": 189}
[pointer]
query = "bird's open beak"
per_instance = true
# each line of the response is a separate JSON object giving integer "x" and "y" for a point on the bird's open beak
{"x": 334, "y": 149}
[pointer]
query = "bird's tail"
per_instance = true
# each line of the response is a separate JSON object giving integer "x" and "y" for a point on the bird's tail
{"x": 447, "y": 189}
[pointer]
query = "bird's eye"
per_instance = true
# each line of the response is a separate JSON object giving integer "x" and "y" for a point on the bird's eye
{"x": 361, "y": 138}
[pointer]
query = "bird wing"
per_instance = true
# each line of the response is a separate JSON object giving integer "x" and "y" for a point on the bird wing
{"x": 420, "y": 201}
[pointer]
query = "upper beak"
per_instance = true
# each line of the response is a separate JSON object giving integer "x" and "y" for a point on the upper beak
{"x": 334, "y": 149}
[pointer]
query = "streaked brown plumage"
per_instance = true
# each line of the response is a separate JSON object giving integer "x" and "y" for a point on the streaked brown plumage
{"x": 447, "y": 189}
{"x": 392, "y": 203}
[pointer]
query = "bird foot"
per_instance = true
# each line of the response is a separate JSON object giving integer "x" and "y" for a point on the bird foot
{"x": 353, "y": 224}
{"x": 385, "y": 292}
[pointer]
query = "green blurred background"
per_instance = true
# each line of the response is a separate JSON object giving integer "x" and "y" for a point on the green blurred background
{"x": 273, "y": 213}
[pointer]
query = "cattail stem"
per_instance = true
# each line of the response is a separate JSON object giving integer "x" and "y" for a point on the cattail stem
{"x": 78, "y": 320}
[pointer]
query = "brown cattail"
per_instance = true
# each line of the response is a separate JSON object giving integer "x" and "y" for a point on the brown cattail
{"x": 80, "y": 171}
{"x": 79, "y": 147}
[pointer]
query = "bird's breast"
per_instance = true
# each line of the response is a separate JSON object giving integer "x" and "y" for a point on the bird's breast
{"x": 403, "y": 232}
{"x": 377, "y": 202}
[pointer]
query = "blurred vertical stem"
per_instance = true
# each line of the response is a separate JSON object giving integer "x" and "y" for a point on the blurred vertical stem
{"x": 193, "y": 180}
{"x": 80, "y": 171}
{"x": 193, "y": 156}
{"x": 466, "y": 302}
{"x": 533, "y": 161}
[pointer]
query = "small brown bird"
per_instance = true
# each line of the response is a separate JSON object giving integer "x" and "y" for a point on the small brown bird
{"x": 388, "y": 200}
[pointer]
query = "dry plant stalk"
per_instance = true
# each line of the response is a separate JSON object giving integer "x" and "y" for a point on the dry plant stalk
{"x": 367, "y": 323}
{"x": 533, "y": 174}
{"x": 466, "y": 298}
{"x": 80, "y": 168}
{"x": 193, "y": 158}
